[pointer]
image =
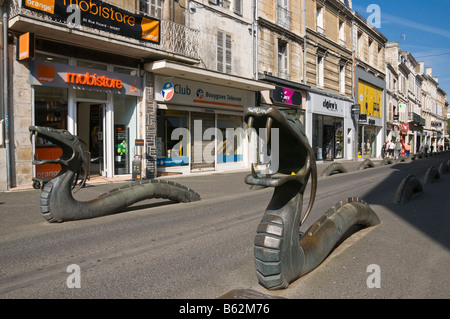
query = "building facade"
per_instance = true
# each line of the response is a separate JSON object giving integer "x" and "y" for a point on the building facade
{"x": 153, "y": 49}
{"x": 370, "y": 87}
{"x": 186, "y": 71}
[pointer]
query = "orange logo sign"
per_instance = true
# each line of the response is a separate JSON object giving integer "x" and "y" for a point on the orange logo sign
{"x": 150, "y": 29}
{"x": 42, "y": 5}
{"x": 46, "y": 73}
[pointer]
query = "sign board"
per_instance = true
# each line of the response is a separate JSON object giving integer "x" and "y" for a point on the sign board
{"x": 26, "y": 47}
{"x": 286, "y": 96}
{"x": 99, "y": 15}
{"x": 169, "y": 90}
{"x": 70, "y": 76}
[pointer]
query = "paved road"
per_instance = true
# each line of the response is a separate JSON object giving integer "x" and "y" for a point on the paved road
{"x": 158, "y": 249}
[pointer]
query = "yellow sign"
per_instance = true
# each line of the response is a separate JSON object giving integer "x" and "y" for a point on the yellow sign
{"x": 370, "y": 99}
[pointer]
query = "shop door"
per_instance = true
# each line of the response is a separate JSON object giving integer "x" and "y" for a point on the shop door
{"x": 90, "y": 124}
{"x": 328, "y": 138}
{"x": 202, "y": 161}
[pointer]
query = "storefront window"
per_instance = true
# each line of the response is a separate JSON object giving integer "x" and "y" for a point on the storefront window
{"x": 50, "y": 109}
{"x": 125, "y": 133}
{"x": 328, "y": 137}
{"x": 367, "y": 140}
{"x": 172, "y": 138}
{"x": 230, "y": 148}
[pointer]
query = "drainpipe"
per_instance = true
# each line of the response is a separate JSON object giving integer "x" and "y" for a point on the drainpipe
{"x": 304, "y": 42}
{"x": 4, "y": 13}
{"x": 355, "y": 99}
{"x": 253, "y": 39}
{"x": 256, "y": 39}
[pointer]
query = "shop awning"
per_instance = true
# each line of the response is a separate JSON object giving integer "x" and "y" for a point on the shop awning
{"x": 179, "y": 70}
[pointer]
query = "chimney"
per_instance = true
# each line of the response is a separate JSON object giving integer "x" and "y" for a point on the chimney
{"x": 428, "y": 71}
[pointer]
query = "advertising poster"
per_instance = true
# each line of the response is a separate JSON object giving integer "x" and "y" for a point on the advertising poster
{"x": 369, "y": 99}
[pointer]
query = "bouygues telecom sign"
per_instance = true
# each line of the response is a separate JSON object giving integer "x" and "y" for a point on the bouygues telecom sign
{"x": 99, "y": 15}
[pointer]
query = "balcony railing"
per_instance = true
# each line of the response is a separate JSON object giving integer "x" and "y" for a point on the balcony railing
{"x": 174, "y": 38}
{"x": 320, "y": 30}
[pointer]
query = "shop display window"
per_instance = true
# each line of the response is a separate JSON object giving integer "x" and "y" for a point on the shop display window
{"x": 230, "y": 148}
{"x": 50, "y": 110}
{"x": 172, "y": 138}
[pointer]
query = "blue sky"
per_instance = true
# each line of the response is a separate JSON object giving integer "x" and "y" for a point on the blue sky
{"x": 421, "y": 28}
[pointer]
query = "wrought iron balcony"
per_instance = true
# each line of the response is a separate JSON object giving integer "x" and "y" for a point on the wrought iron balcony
{"x": 175, "y": 39}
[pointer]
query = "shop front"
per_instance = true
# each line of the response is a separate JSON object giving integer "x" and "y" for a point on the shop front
{"x": 97, "y": 102}
{"x": 200, "y": 126}
{"x": 370, "y": 124}
{"x": 331, "y": 127}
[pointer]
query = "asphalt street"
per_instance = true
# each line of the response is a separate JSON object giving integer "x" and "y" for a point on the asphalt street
{"x": 161, "y": 249}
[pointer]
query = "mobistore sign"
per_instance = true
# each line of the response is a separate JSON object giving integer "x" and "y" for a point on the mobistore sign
{"x": 94, "y": 80}
{"x": 99, "y": 15}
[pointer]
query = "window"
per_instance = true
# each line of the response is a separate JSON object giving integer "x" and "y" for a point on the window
{"x": 380, "y": 57}
{"x": 221, "y": 3}
{"x": 359, "y": 45}
{"x": 342, "y": 33}
{"x": 283, "y": 60}
{"x": 319, "y": 20}
{"x": 172, "y": 144}
{"x": 153, "y": 8}
{"x": 369, "y": 58}
{"x": 238, "y": 7}
{"x": 320, "y": 71}
{"x": 283, "y": 14}
{"x": 342, "y": 79}
{"x": 230, "y": 149}
{"x": 223, "y": 52}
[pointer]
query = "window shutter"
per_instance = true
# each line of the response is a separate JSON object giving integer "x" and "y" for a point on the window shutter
{"x": 224, "y": 57}
{"x": 220, "y": 50}
{"x": 228, "y": 54}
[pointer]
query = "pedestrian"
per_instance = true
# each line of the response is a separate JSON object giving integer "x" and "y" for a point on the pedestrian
{"x": 425, "y": 149}
{"x": 368, "y": 149}
{"x": 431, "y": 149}
{"x": 383, "y": 150}
{"x": 408, "y": 149}
{"x": 391, "y": 147}
{"x": 397, "y": 149}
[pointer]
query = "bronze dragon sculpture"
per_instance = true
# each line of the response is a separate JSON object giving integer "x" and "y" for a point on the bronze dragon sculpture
{"x": 282, "y": 253}
{"x": 57, "y": 201}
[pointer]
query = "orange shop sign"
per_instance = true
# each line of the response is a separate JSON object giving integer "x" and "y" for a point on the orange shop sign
{"x": 93, "y": 80}
{"x": 26, "y": 47}
{"x": 81, "y": 78}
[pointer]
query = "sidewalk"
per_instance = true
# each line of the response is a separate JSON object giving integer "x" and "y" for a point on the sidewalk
{"x": 99, "y": 180}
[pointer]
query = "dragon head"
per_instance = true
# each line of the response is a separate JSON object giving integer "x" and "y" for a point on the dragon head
{"x": 296, "y": 161}
{"x": 72, "y": 157}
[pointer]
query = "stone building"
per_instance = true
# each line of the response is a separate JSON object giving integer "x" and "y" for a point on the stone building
{"x": 370, "y": 85}
{"x": 174, "y": 71}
